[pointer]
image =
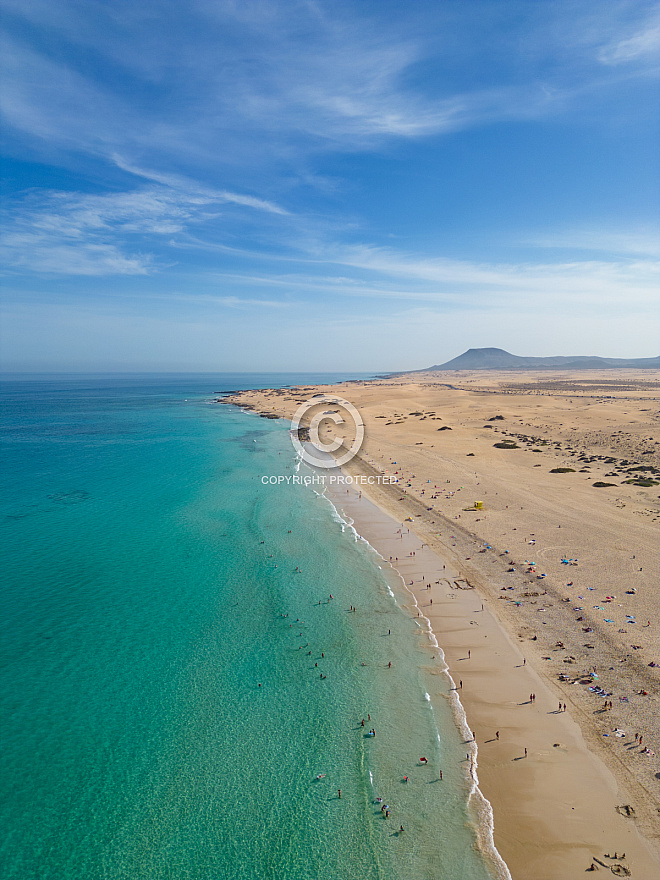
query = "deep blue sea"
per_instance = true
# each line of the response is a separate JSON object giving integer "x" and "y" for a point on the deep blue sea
{"x": 163, "y": 711}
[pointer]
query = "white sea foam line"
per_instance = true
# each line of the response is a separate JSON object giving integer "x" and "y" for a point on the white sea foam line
{"x": 484, "y": 809}
{"x": 357, "y": 536}
{"x": 348, "y": 524}
{"x": 485, "y": 818}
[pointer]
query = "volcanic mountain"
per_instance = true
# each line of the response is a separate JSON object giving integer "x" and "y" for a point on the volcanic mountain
{"x": 498, "y": 359}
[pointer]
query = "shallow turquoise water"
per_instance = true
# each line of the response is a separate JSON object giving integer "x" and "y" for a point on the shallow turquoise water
{"x": 148, "y": 571}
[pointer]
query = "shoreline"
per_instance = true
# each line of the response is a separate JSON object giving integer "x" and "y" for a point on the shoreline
{"x": 483, "y": 813}
{"x": 567, "y": 420}
{"x": 564, "y": 833}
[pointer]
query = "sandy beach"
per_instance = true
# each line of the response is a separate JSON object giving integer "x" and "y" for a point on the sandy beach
{"x": 566, "y": 570}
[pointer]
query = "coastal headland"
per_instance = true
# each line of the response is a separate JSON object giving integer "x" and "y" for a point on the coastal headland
{"x": 534, "y": 498}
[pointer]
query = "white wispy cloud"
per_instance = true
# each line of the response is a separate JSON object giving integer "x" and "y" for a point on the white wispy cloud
{"x": 110, "y": 233}
{"x": 85, "y": 234}
{"x": 49, "y": 100}
{"x": 586, "y": 279}
{"x": 241, "y": 302}
{"x": 642, "y": 45}
{"x": 644, "y": 241}
{"x": 393, "y": 277}
{"x": 187, "y": 185}
{"x": 33, "y": 254}
{"x": 257, "y": 82}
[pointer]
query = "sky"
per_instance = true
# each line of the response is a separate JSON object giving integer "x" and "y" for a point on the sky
{"x": 254, "y": 185}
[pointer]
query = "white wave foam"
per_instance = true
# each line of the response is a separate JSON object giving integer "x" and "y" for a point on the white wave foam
{"x": 485, "y": 824}
{"x": 484, "y": 812}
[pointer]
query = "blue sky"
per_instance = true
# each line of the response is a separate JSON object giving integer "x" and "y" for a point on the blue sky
{"x": 265, "y": 185}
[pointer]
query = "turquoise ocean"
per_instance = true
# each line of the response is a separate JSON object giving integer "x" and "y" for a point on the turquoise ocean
{"x": 163, "y": 711}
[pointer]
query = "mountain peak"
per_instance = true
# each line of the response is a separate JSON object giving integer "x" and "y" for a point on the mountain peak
{"x": 499, "y": 359}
